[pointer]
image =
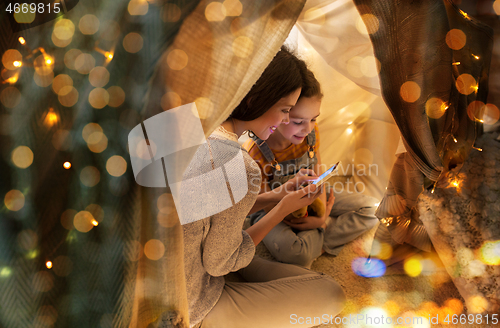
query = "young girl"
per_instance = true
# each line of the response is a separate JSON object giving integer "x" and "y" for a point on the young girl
{"x": 296, "y": 145}
{"x": 216, "y": 245}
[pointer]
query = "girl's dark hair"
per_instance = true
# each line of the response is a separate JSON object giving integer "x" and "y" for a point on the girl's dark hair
{"x": 311, "y": 87}
{"x": 284, "y": 74}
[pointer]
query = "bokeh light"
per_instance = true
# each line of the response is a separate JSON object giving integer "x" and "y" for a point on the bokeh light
{"x": 84, "y": 63}
{"x": 354, "y": 66}
{"x": 368, "y": 268}
{"x": 98, "y": 98}
{"x": 96, "y": 211}
{"x": 370, "y": 66}
{"x": 242, "y": 46}
{"x": 170, "y": 100}
{"x": 456, "y": 39}
{"x": 61, "y": 81}
{"x": 466, "y": 84}
{"x": 10, "y": 57}
{"x": 477, "y": 304}
{"x": 475, "y": 110}
{"x": 46, "y": 316}
{"x": 138, "y": 7}
{"x": 60, "y": 43}
{"x": 456, "y": 306}
{"x": 89, "y": 129}
{"x": 367, "y": 24}
{"x": 67, "y": 218}
{"x": 22, "y": 157}
{"x": 43, "y": 80}
{"x": 90, "y": 176}
{"x": 83, "y": 221}
{"x": 42, "y": 281}
{"x": 64, "y": 29}
{"x": 116, "y": 96}
{"x": 89, "y": 24}
{"x": 412, "y": 266}
{"x": 10, "y": 97}
{"x": 116, "y": 166}
{"x": 491, "y": 114}
{"x": 177, "y": 59}
{"x": 98, "y": 142}
{"x": 133, "y": 42}
{"x": 233, "y": 7}
{"x": 215, "y": 12}
{"x": 205, "y": 107}
{"x": 24, "y": 17}
{"x": 68, "y": 96}
{"x": 5, "y": 272}
{"x": 99, "y": 76}
{"x": 165, "y": 204}
{"x": 496, "y": 7}
{"x": 435, "y": 108}
{"x": 489, "y": 253}
{"x": 315, "y": 15}
{"x": 10, "y": 77}
{"x": 27, "y": 239}
{"x": 142, "y": 149}
{"x": 154, "y": 249}
{"x": 61, "y": 140}
{"x": 70, "y": 58}
{"x": 410, "y": 91}
{"x": 171, "y": 13}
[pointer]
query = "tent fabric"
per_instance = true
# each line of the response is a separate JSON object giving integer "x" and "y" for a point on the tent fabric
{"x": 224, "y": 58}
{"x": 417, "y": 66}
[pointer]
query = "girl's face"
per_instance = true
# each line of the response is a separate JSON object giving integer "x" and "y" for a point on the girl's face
{"x": 302, "y": 119}
{"x": 266, "y": 124}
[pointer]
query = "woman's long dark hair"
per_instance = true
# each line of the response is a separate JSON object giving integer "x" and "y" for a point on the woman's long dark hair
{"x": 284, "y": 74}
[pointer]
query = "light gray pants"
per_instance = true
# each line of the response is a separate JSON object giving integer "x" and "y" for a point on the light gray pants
{"x": 276, "y": 295}
{"x": 352, "y": 214}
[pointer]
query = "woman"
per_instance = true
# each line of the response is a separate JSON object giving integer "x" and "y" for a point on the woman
{"x": 276, "y": 294}
{"x": 301, "y": 240}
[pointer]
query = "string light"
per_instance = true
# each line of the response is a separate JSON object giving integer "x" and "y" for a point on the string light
{"x": 48, "y": 264}
{"x": 67, "y": 165}
{"x": 17, "y": 63}
{"x": 454, "y": 139}
{"x": 95, "y": 223}
{"x": 464, "y": 14}
{"x": 11, "y": 80}
{"x": 48, "y": 61}
{"x": 107, "y": 54}
{"x": 21, "y": 40}
{"x": 478, "y": 149}
{"x": 456, "y": 63}
{"x": 477, "y": 57}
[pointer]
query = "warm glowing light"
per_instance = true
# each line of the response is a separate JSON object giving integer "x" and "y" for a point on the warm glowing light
{"x": 108, "y": 55}
{"x": 116, "y": 166}
{"x": 138, "y": 7}
{"x": 116, "y": 96}
{"x": 456, "y": 39}
{"x": 21, "y": 40}
{"x": 476, "y": 57}
{"x": 10, "y": 57}
{"x": 64, "y": 29}
{"x": 48, "y": 61}
{"x": 154, "y": 249}
{"x": 349, "y": 131}
{"x": 133, "y": 42}
{"x": 491, "y": 114}
{"x": 455, "y": 139}
{"x": 51, "y": 118}
{"x": 95, "y": 223}
{"x": 83, "y": 221}
{"x": 48, "y": 264}
{"x": 464, "y": 14}
{"x": 435, "y": 108}
{"x": 13, "y": 79}
{"x": 489, "y": 253}
{"x": 410, "y": 91}
{"x": 99, "y": 76}
{"x": 84, "y": 63}
{"x": 466, "y": 84}
{"x": 68, "y": 96}
{"x": 177, "y": 59}
{"x": 478, "y": 149}
{"x": 477, "y": 304}
{"x": 367, "y": 24}
{"x": 215, "y": 12}
{"x": 61, "y": 81}
{"x": 22, "y": 157}
{"x": 67, "y": 165}
{"x": 456, "y": 63}
{"x": 455, "y": 183}
{"x": 233, "y": 7}
{"x": 14, "y": 200}
{"x": 98, "y": 98}
{"x": 89, "y": 24}
{"x": 496, "y": 7}
{"x": 242, "y": 46}
{"x": 17, "y": 63}
{"x": 413, "y": 267}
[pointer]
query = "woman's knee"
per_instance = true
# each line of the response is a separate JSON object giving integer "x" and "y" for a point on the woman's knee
{"x": 296, "y": 253}
{"x": 334, "y": 296}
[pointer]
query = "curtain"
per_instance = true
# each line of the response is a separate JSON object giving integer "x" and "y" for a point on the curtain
{"x": 434, "y": 62}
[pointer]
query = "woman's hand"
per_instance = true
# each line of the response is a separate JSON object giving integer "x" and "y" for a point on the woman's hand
{"x": 300, "y": 198}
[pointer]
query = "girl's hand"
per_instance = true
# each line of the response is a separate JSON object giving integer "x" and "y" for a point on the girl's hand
{"x": 300, "y": 198}
{"x": 329, "y": 203}
{"x": 307, "y": 223}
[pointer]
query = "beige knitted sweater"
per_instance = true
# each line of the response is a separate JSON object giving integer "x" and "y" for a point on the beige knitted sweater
{"x": 217, "y": 245}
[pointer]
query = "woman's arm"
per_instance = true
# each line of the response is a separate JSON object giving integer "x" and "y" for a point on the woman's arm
{"x": 290, "y": 203}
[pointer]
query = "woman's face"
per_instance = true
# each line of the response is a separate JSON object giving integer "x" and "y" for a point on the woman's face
{"x": 302, "y": 119}
{"x": 266, "y": 124}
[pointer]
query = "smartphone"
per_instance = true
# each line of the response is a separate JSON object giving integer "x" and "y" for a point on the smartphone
{"x": 325, "y": 176}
